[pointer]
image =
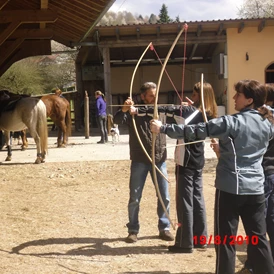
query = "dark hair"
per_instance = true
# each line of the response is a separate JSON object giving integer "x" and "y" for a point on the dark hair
{"x": 258, "y": 92}
{"x": 252, "y": 89}
{"x": 264, "y": 110}
{"x": 270, "y": 92}
{"x": 146, "y": 86}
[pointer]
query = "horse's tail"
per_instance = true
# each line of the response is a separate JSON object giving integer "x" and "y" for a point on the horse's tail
{"x": 68, "y": 120}
{"x": 42, "y": 127}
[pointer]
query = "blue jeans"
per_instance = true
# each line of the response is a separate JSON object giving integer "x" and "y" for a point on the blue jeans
{"x": 138, "y": 177}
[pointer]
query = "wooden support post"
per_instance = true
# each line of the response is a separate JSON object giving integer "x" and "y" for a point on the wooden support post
{"x": 86, "y": 107}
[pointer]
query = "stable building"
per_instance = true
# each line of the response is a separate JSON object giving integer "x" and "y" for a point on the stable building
{"x": 225, "y": 51}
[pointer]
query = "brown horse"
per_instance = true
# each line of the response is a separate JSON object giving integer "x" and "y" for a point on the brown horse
{"x": 58, "y": 109}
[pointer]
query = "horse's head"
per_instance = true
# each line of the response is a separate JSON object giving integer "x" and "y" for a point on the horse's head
{"x": 4, "y": 95}
{"x": 58, "y": 92}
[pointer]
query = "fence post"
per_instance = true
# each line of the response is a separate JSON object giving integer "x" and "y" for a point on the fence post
{"x": 86, "y": 108}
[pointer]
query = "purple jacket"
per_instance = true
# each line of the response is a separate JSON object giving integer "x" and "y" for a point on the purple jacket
{"x": 101, "y": 107}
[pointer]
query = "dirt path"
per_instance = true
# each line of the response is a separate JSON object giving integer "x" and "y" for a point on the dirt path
{"x": 70, "y": 217}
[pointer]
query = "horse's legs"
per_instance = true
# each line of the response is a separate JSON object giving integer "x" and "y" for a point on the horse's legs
{"x": 8, "y": 142}
{"x": 40, "y": 155}
{"x": 23, "y": 135}
{"x": 62, "y": 135}
{"x": 37, "y": 140}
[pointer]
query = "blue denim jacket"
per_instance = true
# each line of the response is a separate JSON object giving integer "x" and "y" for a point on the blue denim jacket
{"x": 243, "y": 140}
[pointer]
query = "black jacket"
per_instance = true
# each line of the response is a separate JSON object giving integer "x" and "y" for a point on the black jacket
{"x": 142, "y": 122}
{"x": 268, "y": 160}
{"x": 194, "y": 153}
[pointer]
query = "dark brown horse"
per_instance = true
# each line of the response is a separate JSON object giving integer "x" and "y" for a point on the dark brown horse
{"x": 58, "y": 109}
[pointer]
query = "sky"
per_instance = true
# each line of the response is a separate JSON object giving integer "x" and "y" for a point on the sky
{"x": 193, "y": 10}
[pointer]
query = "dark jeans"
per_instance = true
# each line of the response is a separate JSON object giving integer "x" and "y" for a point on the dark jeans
{"x": 190, "y": 206}
{"x": 228, "y": 209}
{"x": 102, "y": 124}
{"x": 269, "y": 203}
{"x": 2, "y": 139}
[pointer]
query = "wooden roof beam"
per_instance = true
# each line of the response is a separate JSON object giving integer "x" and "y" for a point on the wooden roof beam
{"x": 8, "y": 31}
{"x": 28, "y": 16}
{"x": 193, "y": 51}
{"x": 138, "y": 33}
{"x": 10, "y": 50}
{"x": 211, "y": 49}
{"x": 3, "y": 3}
{"x": 199, "y": 30}
{"x": 241, "y": 27}
{"x": 32, "y": 34}
{"x": 261, "y": 26}
{"x": 85, "y": 57}
{"x": 158, "y": 30}
{"x": 220, "y": 29}
{"x": 43, "y": 6}
{"x": 117, "y": 33}
{"x": 162, "y": 42}
{"x": 62, "y": 39}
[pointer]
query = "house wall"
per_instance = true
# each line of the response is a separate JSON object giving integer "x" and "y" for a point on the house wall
{"x": 259, "y": 46}
{"x": 121, "y": 78}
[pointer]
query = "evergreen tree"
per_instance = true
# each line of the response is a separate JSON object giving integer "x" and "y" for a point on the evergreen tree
{"x": 163, "y": 16}
{"x": 177, "y": 19}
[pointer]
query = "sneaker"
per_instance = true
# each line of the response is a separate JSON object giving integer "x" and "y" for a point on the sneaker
{"x": 131, "y": 238}
{"x": 177, "y": 249}
{"x": 165, "y": 235}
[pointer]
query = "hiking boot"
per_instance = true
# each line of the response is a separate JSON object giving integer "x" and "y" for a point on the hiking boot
{"x": 165, "y": 235}
{"x": 178, "y": 249}
{"x": 131, "y": 238}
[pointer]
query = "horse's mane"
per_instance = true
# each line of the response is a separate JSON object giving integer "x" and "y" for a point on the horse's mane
{"x": 11, "y": 94}
{"x": 8, "y": 100}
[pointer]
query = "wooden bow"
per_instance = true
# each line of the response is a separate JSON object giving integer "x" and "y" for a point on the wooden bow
{"x": 155, "y": 116}
{"x": 202, "y": 98}
{"x": 133, "y": 117}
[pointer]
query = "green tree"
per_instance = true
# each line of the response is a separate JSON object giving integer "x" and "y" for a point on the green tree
{"x": 23, "y": 77}
{"x": 256, "y": 9}
{"x": 163, "y": 16}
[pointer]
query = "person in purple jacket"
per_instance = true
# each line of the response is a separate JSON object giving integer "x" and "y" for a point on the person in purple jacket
{"x": 101, "y": 116}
